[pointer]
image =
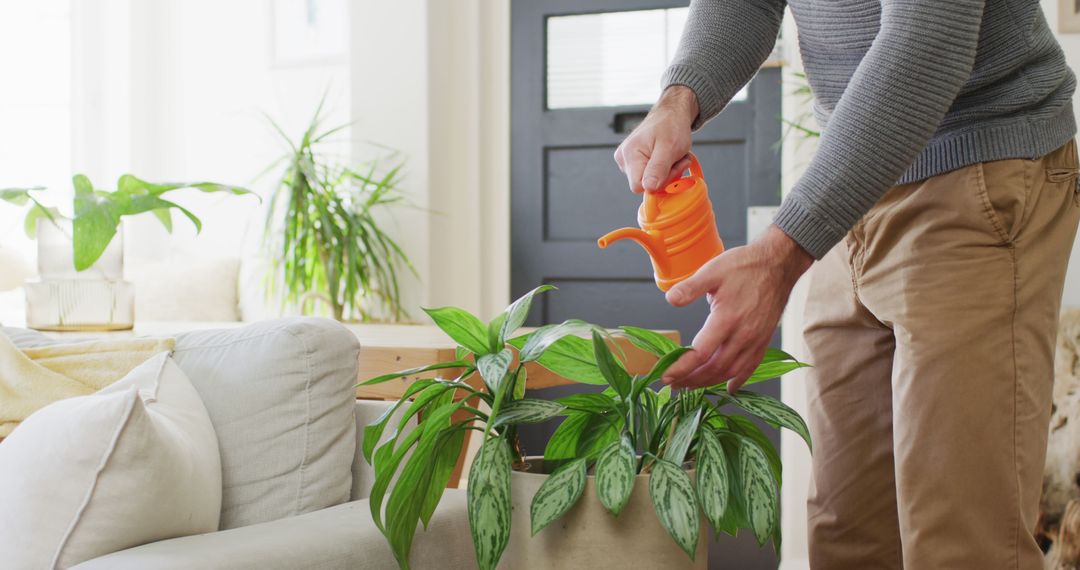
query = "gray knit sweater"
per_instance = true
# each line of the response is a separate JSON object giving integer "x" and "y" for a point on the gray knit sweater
{"x": 905, "y": 90}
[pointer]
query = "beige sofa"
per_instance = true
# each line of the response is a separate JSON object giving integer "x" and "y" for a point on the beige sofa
{"x": 295, "y": 487}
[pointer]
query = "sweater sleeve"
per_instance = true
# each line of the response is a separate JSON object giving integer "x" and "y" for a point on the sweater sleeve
{"x": 923, "y": 54}
{"x": 722, "y": 46}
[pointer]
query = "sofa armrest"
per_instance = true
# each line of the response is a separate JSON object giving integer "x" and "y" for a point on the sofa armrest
{"x": 367, "y": 411}
{"x": 338, "y": 537}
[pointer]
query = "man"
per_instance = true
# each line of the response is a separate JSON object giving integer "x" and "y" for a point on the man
{"x": 942, "y": 206}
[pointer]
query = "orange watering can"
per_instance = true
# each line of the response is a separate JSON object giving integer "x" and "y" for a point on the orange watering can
{"x": 678, "y": 229}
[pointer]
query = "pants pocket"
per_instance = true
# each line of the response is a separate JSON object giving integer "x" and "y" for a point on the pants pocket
{"x": 1069, "y": 178}
{"x": 1003, "y": 189}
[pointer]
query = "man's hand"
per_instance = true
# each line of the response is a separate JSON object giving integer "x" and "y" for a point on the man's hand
{"x": 656, "y": 152}
{"x": 747, "y": 288}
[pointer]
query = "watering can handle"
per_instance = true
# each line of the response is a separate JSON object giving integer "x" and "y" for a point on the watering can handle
{"x": 695, "y": 166}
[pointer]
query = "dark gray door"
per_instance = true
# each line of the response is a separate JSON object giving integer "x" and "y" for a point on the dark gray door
{"x": 574, "y": 83}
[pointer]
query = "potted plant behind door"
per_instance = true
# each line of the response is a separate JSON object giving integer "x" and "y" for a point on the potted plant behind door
{"x": 81, "y": 257}
{"x": 643, "y": 459}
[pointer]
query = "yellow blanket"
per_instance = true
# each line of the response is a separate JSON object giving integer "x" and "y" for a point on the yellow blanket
{"x": 33, "y": 378}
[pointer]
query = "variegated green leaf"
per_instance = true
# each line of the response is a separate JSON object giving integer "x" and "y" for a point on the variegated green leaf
{"x": 519, "y": 310}
{"x": 520, "y": 383}
{"x": 560, "y": 492}
{"x": 527, "y": 411}
{"x": 615, "y": 472}
{"x": 496, "y": 341}
{"x": 610, "y": 367}
{"x": 733, "y": 518}
{"x": 776, "y": 355}
{"x": 759, "y": 493}
{"x": 713, "y": 479}
{"x": 769, "y": 370}
{"x": 542, "y": 338}
{"x": 570, "y": 357}
{"x": 683, "y": 436}
{"x": 662, "y": 365}
{"x": 417, "y": 370}
{"x": 409, "y": 493}
{"x": 447, "y": 452}
{"x": 742, "y": 425}
{"x": 581, "y": 435}
{"x": 373, "y": 431}
{"x": 650, "y": 341}
{"x": 663, "y": 396}
{"x": 493, "y": 367}
{"x": 676, "y": 506}
{"x": 460, "y": 325}
{"x": 489, "y": 501}
{"x": 596, "y": 403}
{"x": 773, "y": 411}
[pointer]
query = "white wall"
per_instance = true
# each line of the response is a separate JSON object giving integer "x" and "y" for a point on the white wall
{"x": 797, "y": 152}
{"x": 443, "y": 99}
{"x": 796, "y": 459}
{"x": 175, "y": 90}
{"x": 202, "y": 77}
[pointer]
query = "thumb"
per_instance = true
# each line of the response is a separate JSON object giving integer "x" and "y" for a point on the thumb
{"x": 660, "y": 163}
{"x": 693, "y": 287}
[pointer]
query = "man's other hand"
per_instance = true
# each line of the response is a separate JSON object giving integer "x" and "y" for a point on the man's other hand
{"x": 747, "y": 288}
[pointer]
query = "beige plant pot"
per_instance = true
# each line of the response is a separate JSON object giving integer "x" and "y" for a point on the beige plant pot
{"x": 589, "y": 537}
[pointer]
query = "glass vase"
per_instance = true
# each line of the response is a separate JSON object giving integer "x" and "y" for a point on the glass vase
{"x": 62, "y": 299}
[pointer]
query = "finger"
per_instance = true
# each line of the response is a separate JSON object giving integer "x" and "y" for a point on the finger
{"x": 743, "y": 369}
{"x": 706, "y": 342}
{"x": 659, "y": 166}
{"x": 705, "y": 280}
{"x": 686, "y": 363}
{"x": 713, "y": 372}
{"x": 619, "y": 159}
{"x": 635, "y": 162}
{"x": 677, "y": 170}
{"x": 745, "y": 366}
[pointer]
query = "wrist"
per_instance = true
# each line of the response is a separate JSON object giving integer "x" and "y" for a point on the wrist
{"x": 680, "y": 101}
{"x": 787, "y": 252}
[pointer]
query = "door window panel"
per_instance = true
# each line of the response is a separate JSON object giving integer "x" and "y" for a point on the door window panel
{"x": 612, "y": 58}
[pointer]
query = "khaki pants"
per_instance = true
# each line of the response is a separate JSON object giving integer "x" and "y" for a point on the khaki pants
{"x": 931, "y": 328}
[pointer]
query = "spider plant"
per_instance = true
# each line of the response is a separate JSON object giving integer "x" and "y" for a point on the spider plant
{"x": 628, "y": 429}
{"x": 323, "y": 232}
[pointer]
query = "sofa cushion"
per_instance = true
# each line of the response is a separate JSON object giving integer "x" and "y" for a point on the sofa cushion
{"x": 186, "y": 288}
{"x": 280, "y": 394}
{"x": 342, "y": 537}
{"x": 136, "y": 462}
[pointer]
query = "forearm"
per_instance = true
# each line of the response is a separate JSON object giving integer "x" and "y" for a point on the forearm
{"x": 722, "y": 47}
{"x": 893, "y": 104}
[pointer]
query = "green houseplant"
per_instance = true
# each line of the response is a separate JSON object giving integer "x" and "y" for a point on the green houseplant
{"x": 324, "y": 233}
{"x": 626, "y": 430}
{"x": 81, "y": 256}
{"x": 97, "y": 213}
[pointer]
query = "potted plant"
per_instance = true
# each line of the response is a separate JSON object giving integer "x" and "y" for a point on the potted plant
{"x": 80, "y": 258}
{"x": 687, "y": 454}
{"x": 324, "y": 233}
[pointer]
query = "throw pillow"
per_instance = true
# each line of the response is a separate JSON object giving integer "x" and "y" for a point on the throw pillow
{"x": 133, "y": 463}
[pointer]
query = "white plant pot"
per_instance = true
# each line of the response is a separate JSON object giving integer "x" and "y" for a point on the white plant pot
{"x": 591, "y": 538}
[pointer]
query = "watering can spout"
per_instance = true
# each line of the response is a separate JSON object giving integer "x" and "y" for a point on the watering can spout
{"x": 653, "y": 245}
